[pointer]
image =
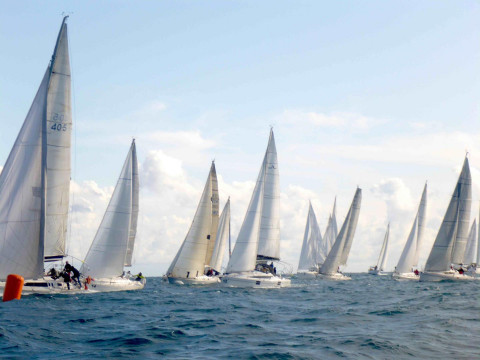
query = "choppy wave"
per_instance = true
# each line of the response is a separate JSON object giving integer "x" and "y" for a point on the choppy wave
{"x": 366, "y": 318}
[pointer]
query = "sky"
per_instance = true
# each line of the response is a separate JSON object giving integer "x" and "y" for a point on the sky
{"x": 383, "y": 95}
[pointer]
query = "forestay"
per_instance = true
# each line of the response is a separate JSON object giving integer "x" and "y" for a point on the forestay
{"x": 345, "y": 236}
{"x": 106, "y": 256}
{"x": 450, "y": 243}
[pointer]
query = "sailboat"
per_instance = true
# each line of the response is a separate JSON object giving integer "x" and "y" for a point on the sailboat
{"x": 112, "y": 247}
{"x": 188, "y": 266}
{"x": 258, "y": 241}
{"x": 446, "y": 256}
{"x": 223, "y": 235}
{"x": 312, "y": 248}
{"x": 331, "y": 232}
{"x": 35, "y": 181}
{"x": 338, "y": 255}
{"x": 382, "y": 258}
{"x": 470, "y": 256}
{"x": 406, "y": 268}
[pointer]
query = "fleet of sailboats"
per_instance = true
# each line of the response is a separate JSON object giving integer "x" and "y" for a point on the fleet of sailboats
{"x": 34, "y": 206}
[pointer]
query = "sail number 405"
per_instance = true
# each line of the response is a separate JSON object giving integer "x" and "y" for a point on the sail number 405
{"x": 59, "y": 127}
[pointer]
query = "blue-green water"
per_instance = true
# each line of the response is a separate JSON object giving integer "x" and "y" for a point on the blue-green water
{"x": 366, "y": 318}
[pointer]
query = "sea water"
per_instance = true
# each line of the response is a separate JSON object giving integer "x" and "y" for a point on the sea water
{"x": 369, "y": 317}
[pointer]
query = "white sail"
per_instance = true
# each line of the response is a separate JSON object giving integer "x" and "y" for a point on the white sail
{"x": 382, "y": 258}
{"x": 269, "y": 242}
{"x": 345, "y": 237}
{"x": 450, "y": 243}
{"x": 21, "y": 191}
{"x": 223, "y": 234}
{"x": 135, "y": 208}
{"x": 331, "y": 231}
{"x": 106, "y": 256}
{"x": 478, "y": 244}
{"x": 59, "y": 130}
{"x": 190, "y": 259}
{"x": 308, "y": 255}
{"x": 215, "y": 218}
{"x": 244, "y": 253}
{"x": 470, "y": 256}
{"x": 409, "y": 257}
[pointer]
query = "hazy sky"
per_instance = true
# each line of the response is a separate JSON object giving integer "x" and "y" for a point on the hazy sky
{"x": 379, "y": 94}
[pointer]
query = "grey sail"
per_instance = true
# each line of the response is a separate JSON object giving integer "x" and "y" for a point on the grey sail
{"x": 345, "y": 236}
{"x": 311, "y": 241}
{"x": 450, "y": 243}
{"x": 470, "y": 256}
{"x": 382, "y": 258}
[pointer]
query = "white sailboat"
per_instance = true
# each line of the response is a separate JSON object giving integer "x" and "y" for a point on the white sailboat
{"x": 312, "y": 248}
{"x": 382, "y": 258}
{"x": 331, "y": 232}
{"x": 258, "y": 241}
{"x": 188, "y": 266}
{"x": 470, "y": 256}
{"x": 35, "y": 181}
{"x": 406, "y": 268}
{"x": 449, "y": 246}
{"x": 112, "y": 247}
{"x": 338, "y": 255}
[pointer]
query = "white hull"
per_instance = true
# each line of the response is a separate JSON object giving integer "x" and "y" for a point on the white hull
{"x": 377, "y": 272}
{"x": 445, "y": 275}
{"x": 406, "y": 276}
{"x": 255, "y": 279}
{"x": 48, "y": 286}
{"x": 337, "y": 277}
{"x": 306, "y": 274}
{"x": 199, "y": 280}
{"x": 116, "y": 284}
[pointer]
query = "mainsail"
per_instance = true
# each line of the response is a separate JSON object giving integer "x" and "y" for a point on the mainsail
{"x": 59, "y": 133}
{"x": 331, "y": 232}
{"x": 135, "y": 208}
{"x": 451, "y": 240}
{"x": 342, "y": 244}
{"x": 106, "y": 256}
{"x": 26, "y": 210}
{"x": 382, "y": 258}
{"x": 309, "y": 256}
{"x": 215, "y": 212}
{"x": 223, "y": 234}
{"x": 269, "y": 238}
{"x": 190, "y": 259}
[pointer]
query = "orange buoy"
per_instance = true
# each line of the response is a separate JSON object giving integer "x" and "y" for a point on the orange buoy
{"x": 13, "y": 288}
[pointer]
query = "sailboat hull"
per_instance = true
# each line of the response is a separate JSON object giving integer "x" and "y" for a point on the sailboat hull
{"x": 117, "y": 284}
{"x": 306, "y": 274}
{"x": 406, "y": 276}
{"x": 336, "y": 277}
{"x": 255, "y": 279}
{"x": 445, "y": 275}
{"x": 48, "y": 286}
{"x": 199, "y": 280}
